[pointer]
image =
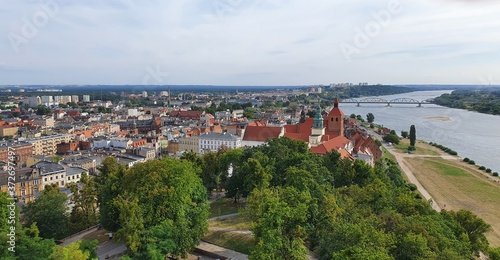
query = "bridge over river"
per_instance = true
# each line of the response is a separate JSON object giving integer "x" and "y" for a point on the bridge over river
{"x": 388, "y": 102}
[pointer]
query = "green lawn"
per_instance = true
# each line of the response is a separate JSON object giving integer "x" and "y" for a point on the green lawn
{"x": 223, "y": 207}
{"x": 242, "y": 243}
{"x": 387, "y": 155}
{"x": 228, "y": 238}
{"x": 404, "y": 144}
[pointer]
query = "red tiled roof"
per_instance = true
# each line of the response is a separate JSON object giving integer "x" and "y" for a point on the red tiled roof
{"x": 261, "y": 133}
{"x": 336, "y": 143}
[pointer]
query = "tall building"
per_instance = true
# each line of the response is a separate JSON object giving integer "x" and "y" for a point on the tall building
{"x": 75, "y": 99}
{"x": 33, "y": 101}
{"x": 86, "y": 98}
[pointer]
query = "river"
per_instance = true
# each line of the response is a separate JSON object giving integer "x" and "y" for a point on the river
{"x": 471, "y": 134}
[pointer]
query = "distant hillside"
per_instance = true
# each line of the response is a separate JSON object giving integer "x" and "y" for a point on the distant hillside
{"x": 370, "y": 90}
{"x": 484, "y": 101}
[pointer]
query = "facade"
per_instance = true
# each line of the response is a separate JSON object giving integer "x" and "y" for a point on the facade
{"x": 22, "y": 151}
{"x": 64, "y": 147}
{"x": 27, "y": 184}
{"x": 8, "y": 131}
{"x": 189, "y": 143}
{"x": 44, "y": 121}
{"x": 51, "y": 173}
{"x": 213, "y": 141}
{"x": 33, "y": 101}
{"x": 47, "y": 145}
{"x": 86, "y": 98}
{"x": 112, "y": 143}
{"x": 89, "y": 164}
{"x": 74, "y": 173}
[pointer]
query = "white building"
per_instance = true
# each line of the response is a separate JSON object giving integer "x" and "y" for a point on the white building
{"x": 51, "y": 173}
{"x": 86, "y": 98}
{"x": 144, "y": 94}
{"x": 75, "y": 98}
{"x": 113, "y": 142}
{"x": 33, "y": 101}
{"x": 213, "y": 141}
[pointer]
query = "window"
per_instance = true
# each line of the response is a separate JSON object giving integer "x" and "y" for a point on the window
{"x": 337, "y": 119}
{"x": 332, "y": 119}
{"x": 50, "y": 178}
{"x": 45, "y": 179}
{"x": 57, "y": 177}
{"x": 69, "y": 178}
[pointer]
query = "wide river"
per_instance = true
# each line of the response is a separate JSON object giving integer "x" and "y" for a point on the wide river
{"x": 471, "y": 134}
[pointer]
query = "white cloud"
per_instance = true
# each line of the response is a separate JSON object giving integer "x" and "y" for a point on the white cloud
{"x": 252, "y": 42}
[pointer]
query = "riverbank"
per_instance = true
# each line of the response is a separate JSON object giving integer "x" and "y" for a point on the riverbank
{"x": 452, "y": 184}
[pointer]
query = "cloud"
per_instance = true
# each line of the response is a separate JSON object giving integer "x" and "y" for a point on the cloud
{"x": 251, "y": 42}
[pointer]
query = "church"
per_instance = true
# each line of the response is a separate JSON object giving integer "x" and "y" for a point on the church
{"x": 322, "y": 133}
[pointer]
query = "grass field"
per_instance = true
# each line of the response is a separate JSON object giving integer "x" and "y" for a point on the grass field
{"x": 227, "y": 234}
{"x": 455, "y": 185}
{"x": 223, "y": 207}
{"x": 421, "y": 147}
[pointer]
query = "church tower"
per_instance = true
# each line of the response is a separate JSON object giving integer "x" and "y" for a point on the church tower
{"x": 317, "y": 130}
{"x": 335, "y": 123}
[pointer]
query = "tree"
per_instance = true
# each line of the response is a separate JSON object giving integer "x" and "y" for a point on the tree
{"x": 404, "y": 134}
{"x": 353, "y": 116}
{"x": 163, "y": 210}
{"x": 370, "y": 118}
{"x": 85, "y": 211}
{"x": 56, "y": 158}
{"x": 69, "y": 252}
{"x": 108, "y": 186}
{"x": 413, "y": 136}
{"x": 43, "y": 110}
{"x": 391, "y": 138}
{"x": 48, "y": 211}
{"x": 280, "y": 220}
{"x": 474, "y": 228}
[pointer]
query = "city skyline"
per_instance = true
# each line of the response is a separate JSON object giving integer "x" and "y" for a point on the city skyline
{"x": 235, "y": 42}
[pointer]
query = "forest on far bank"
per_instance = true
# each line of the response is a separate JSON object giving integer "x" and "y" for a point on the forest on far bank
{"x": 483, "y": 100}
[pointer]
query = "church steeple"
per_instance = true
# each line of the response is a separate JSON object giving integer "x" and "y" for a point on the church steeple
{"x": 318, "y": 118}
{"x": 302, "y": 116}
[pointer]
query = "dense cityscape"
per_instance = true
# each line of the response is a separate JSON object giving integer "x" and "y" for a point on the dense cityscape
{"x": 261, "y": 130}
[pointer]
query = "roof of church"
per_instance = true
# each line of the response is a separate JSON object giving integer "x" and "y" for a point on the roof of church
{"x": 336, "y": 143}
{"x": 261, "y": 133}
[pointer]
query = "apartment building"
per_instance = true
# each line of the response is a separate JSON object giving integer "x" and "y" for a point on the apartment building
{"x": 47, "y": 145}
{"x": 211, "y": 142}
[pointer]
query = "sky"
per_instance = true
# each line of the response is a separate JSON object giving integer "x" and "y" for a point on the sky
{"x": 249, "y": 42}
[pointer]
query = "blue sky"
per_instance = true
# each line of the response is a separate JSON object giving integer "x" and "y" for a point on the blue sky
{"x": 249, "y": 42}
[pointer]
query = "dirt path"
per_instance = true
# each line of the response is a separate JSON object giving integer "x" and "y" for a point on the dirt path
{"x": 411, "y": 177}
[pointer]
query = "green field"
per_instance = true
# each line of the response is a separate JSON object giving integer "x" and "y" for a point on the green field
{"x": 454, "y": 186}
{"x": 223, "y": 207}
{"x": 228, "y": 233}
